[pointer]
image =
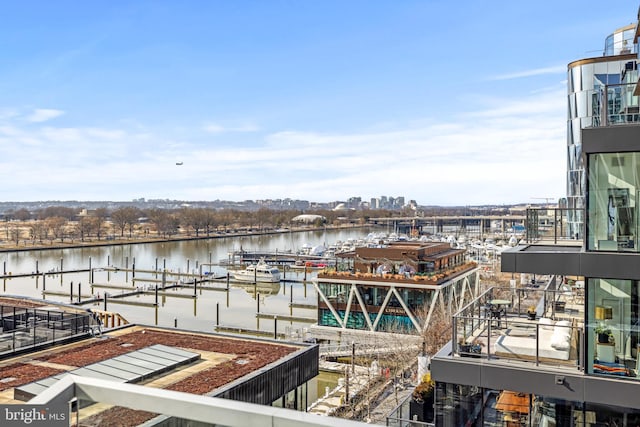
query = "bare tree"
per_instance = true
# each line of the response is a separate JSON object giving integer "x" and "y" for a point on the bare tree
{"x": 38, "y": 231}
{"x": 22, "y": 215}
{"x": 15, "y": 233}
{"x": 100, "y": 215}
{"x": 194, "y": 219}
{"x": 125, "y": 217}
{"x": 57, "y": 211}
{"x": 166, "y": 224}
{"x": 83, "y": 227}
{"x": 439, "y": 331}
{"x": 56, "y": 226}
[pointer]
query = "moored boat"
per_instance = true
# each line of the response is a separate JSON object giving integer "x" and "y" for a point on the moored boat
{"x": 260, "y": 272}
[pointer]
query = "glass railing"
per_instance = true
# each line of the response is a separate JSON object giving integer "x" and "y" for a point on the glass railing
{"x": 540, "y": 323}
{"x": 552, "y": 225}
{"x": 615, "y": 104}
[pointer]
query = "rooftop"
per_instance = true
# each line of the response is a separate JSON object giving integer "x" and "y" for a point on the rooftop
{"x": 212, "y": 365}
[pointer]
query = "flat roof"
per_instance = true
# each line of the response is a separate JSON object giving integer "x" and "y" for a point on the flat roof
{"x": 240, "y": 368}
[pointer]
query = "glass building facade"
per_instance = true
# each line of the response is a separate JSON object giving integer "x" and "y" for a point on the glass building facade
{"x": 461, "y": 405}
{"x": 391, "y": 307}
{"x": 600, "y": 93}
{"x": 614, "y": 191}
{"x": 600, "y": 387}
{"x": 612, "y": 226}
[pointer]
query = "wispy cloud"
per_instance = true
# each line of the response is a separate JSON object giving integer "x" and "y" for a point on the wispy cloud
{"x": 506, "y": 151}
{"x": 43, "y": 115}
{"x": 218, "y": 128}
{"x": 559, "y": 69}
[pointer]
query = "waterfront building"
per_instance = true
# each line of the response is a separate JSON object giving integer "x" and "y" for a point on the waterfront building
{"x": 392, "y": 289}
{"x": 600, "y": 91}
{"x": 568, "y": 351}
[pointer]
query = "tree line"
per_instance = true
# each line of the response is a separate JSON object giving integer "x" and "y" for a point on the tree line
{"x": 64, "y": 224}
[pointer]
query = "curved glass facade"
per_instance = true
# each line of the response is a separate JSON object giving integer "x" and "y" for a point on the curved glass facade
{"x": 621, "y": 41}
{"x": 600, "y": 93}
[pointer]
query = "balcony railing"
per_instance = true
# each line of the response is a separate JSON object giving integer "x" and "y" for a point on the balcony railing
{"x": 497, "y": 326}
{"x": 615, "y": 104}
{"x": 551, "y": 225}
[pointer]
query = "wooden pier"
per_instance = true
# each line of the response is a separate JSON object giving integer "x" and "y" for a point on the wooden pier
{"x": 286, "y": 318}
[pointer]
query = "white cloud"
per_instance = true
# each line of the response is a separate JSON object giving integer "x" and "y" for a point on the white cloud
{"x": 43, "y": 115}
{"x": 508, "y": 151}
{"x": 217, "y": 128}
{"x": 558, "y": 69}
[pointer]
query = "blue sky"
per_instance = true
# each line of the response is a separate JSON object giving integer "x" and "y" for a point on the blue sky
{"x": 450, "y": 103}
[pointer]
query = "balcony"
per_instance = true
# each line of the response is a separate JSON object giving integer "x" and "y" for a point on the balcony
{"x": 616, "y": 104}
{"x": 545, "y": 226}
{"x": 541, "y": 324}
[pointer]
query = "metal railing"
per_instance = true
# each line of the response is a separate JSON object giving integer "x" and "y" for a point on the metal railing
{"x": 550, "y": 224}
{"x": 22, "y": 328}
{"x": 400, "y": 416}
{"x": 476, "y": 327}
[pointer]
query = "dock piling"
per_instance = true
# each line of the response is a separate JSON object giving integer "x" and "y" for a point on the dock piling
{"x": 275, "y": 327}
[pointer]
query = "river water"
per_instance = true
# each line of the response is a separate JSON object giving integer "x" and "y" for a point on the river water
{"x": 233, "y": 309}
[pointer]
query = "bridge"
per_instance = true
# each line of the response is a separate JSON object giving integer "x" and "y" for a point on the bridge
{"x": 436, "y": 224}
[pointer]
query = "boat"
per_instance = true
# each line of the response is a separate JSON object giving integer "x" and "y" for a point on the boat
{"x": 260, "y": 272}
{"x": 263, "y": 289}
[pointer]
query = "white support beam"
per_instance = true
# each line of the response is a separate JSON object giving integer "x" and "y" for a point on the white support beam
{"x": 188, "y": 406}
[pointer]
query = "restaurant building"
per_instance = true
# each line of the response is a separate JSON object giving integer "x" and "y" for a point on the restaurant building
{"x": 392, "y": 289}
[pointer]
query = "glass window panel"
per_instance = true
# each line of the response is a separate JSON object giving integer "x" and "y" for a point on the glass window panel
{"x": 613, "y": 193}
{"x": 612, "y": 332}
{"x": 576, "y": 74}
{"x": 581, "y": 104}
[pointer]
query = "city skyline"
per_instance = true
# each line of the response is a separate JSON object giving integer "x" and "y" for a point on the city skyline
{"x": 274, "y": 100}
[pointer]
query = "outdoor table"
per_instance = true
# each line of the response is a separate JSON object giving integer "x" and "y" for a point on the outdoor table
{"x": 500, "y": 302}
{"x": 498, "y": 313}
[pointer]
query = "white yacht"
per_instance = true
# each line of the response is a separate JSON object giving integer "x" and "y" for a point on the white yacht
{"x": 260, "y": 272}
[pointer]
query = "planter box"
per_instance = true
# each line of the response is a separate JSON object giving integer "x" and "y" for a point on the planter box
{"x": 421, "y": 411}
{"x": 468, "y": 350}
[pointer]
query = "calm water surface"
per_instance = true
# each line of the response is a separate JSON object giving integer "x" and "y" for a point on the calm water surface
{"x": 235, "y": 309}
